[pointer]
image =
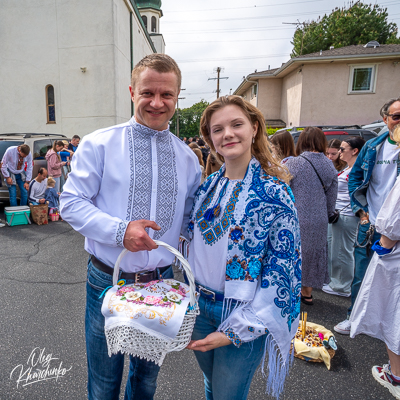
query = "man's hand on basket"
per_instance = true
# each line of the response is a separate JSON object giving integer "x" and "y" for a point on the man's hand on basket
{"x": 212, "y": 341}
{"x": 136, "y": 238}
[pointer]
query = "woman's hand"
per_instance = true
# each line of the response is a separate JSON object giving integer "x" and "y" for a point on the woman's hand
{"x": 212, "y": 341}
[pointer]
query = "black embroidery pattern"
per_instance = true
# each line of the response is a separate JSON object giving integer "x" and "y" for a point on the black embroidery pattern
{"x": 121, "y": 233}
{"x": 167, "y": 185}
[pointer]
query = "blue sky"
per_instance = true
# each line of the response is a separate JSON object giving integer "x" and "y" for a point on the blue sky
{"x": 239, "y": 36}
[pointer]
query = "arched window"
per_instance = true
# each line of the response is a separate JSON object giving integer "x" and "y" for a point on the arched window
{"x": 144, "y": 18}
{"x": 50, "y": 105}
{"x": 153, "y": 24}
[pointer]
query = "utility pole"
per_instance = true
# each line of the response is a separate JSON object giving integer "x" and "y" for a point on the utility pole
{"x": 218, "y": 70}
{"x": 177, "y": 114}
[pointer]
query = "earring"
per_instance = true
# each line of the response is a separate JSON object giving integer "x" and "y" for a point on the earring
{"x": 253, "y": 139}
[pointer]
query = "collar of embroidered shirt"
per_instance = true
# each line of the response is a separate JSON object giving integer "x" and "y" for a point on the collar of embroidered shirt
{"x": 145, "y": 130}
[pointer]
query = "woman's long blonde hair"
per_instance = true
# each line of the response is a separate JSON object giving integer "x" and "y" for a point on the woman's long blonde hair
{"x": 260, "y": 149}
{"x": 396, "y": 135}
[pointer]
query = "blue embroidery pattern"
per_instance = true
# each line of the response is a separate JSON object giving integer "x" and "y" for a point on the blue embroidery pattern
{"x": 235, "y": 339}
{"x": 119, "y": 238}
{"x": 234, "y": 269}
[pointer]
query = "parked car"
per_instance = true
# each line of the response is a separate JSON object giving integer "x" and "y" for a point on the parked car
{"x": 378, "y": 127}
{"x": 39, "y": 144}
{"x": 337, "y": 132}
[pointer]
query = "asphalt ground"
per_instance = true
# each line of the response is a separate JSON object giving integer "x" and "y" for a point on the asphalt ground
{"x": 42, "y": 297}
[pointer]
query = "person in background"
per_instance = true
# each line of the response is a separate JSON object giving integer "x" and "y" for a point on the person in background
{"x": 283, "y": 145}
{"x": 37, "y": 188}
{"x": 332, "y": 152}
{"x": 342, "y": 234}
{"x": 246, "y": 261}
{"x": 370, "y": 181}
{"x": 314, "y": 186}
{"x": 200, "y": 158}
{"x": 54, "y": 163}
{"x": 73, "y": 144}
{"x": 65, "y": 155}
{"x": 13, "y": 164}
{"x": 204, "y": 150}
{"x": 51, "y": 194}
{"x": 213, "y": 164}
{"x": 194, "y": 145}
{"x": 376, "y": 311}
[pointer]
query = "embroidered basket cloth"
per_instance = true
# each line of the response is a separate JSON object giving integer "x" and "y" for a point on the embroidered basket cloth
{"x": 311, "y": 350}
{"x": 150, "y": 320}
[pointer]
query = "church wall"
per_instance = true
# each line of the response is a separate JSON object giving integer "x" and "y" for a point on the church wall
{"x": 48, "y": 42}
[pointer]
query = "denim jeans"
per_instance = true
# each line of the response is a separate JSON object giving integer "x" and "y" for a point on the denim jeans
{"x": 12, "y": 190}
{"x": 361, "y": 261}
{"x": 104, "y": 372}
{"x": 57, "y": 185}
{"x": 227, "y": 370}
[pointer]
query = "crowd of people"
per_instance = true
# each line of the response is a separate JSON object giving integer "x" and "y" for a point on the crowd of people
{"x": 267, "y": 222}
{"x": 46, "y": 187}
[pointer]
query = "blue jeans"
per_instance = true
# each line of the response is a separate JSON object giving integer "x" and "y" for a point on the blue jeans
{"x": 104, "y": 372}
{"x": 12, "y": 190}
{"x": 227, "y": 370}
{"x": 361, "y": 261}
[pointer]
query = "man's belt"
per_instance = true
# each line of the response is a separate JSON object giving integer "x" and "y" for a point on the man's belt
{"x": 140, "y": 277}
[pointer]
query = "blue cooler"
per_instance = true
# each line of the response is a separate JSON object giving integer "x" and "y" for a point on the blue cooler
{"x": 17, "y": 215}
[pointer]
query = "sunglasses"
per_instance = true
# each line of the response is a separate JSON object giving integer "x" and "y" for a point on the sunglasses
{"x": 395, "y": 117}
{"x": 342, "y": 149}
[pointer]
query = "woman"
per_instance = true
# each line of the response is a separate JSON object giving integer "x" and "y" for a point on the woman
{"x": 332, "y": 152}
{"x": 54, "y": 163}
{"x": 212, "y": 164}
{"x": 376, "y": 311}
{"x": 342, "y": 234}
{"x": 283, "y": 145}
{"x": 200, "y": 158}
{"x": 244, "y": 229}
{"x": 314, "y": 186}
{"x": 65, "y": 155}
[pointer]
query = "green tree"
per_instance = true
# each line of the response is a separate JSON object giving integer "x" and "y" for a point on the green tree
{"x": 357, "y": 24}
{"x": 189, "y": 119}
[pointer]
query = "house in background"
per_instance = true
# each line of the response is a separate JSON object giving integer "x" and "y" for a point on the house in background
{"x": 65, "y": 66}
{"x": 342, "y": 86}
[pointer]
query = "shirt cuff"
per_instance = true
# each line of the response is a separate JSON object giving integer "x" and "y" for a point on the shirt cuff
{"x": 119, "y": 237}
{"x": 235, "y": 339}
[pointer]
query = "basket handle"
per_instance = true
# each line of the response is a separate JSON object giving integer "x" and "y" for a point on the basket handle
{"x": 178, "y": 255}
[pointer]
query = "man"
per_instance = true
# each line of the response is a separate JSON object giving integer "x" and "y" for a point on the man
{"x": 37, "y": 188}
{"x": 73, "y": 144}
{"x": 14, "y": 160}
{"x": 130, "y": 184}
{"x": 370, "y": 181}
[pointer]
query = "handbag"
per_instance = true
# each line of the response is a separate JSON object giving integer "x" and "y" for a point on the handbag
{"x": 333, "y": 218}
{"x": 150, "y": 320}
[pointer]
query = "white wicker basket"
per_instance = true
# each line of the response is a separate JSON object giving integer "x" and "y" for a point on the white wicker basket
{"x": 128, "y": 340}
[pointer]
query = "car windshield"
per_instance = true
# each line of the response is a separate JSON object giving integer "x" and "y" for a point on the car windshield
{"x": 5, "y": 144}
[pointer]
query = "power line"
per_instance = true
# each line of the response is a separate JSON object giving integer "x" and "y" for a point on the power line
{"x": 230, "y": 41}
{"x": 232, "y": 58}
{"x": 238, "y": 8}
{"x": 261, "y": 28}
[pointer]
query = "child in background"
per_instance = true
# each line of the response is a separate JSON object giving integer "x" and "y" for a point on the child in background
{"x": 51, "y": 194}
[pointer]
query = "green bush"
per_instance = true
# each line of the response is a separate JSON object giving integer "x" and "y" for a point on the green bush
{"x": 271, "y": 131}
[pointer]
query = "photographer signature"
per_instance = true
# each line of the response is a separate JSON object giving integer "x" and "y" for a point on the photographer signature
{"x": 39, "y": 367}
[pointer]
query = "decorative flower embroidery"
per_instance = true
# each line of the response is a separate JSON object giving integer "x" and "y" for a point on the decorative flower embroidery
{"x": 151, "y": 283}
{"x": 124, "y": 290}
{"x": 236, "y": 234}
{"x": 254, "y": 268}
{"x": 133, "y": 295}
{"x": 174, "y": 296}
{"x": 152, "y": 300}
{"x": 234, "y": 269}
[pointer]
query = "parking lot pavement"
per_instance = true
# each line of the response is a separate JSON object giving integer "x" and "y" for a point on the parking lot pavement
{"x": 42, "y": 294}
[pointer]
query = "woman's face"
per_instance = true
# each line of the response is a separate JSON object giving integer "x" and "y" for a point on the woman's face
{"x": 59, "y": 148}
{"x": 232, "y": 133}
{"x": 332, "y": 153}
{"x": 346, "y": 152}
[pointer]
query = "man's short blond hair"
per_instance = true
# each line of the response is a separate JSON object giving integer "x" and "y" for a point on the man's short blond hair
{"x": 25, "y": 149}
{"x": 158, "y": 62}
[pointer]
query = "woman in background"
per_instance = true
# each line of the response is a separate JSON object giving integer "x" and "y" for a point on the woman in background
{"x": 332, "y": 152}
{"x": 314, "y": 186}
{"x": 283, "y": 144}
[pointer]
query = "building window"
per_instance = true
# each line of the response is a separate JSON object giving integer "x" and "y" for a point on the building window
{"x": 253, "y": 91}
{"x": 153, "y": 24}
{"x": 144, "y": 18}
{"x": 362, "y": 78}
{"x": 50, "y": 105}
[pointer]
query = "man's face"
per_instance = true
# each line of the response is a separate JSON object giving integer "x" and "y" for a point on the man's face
{"x": 21, "y": 153}
{"x": 155, "y": 96}
{"x": 75, "y": 142}
{"x": 44, "y": 174}
{"x": 391, "y": 123}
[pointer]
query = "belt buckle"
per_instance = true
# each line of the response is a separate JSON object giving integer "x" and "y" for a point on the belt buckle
{"x": 207, "y": 292}
{"x": 139, "y": 274}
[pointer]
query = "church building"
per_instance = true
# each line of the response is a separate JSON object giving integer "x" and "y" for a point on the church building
{"x": 65, "y": 65}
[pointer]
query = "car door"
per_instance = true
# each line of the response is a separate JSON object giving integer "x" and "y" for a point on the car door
{"x": 40, "y": 148}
